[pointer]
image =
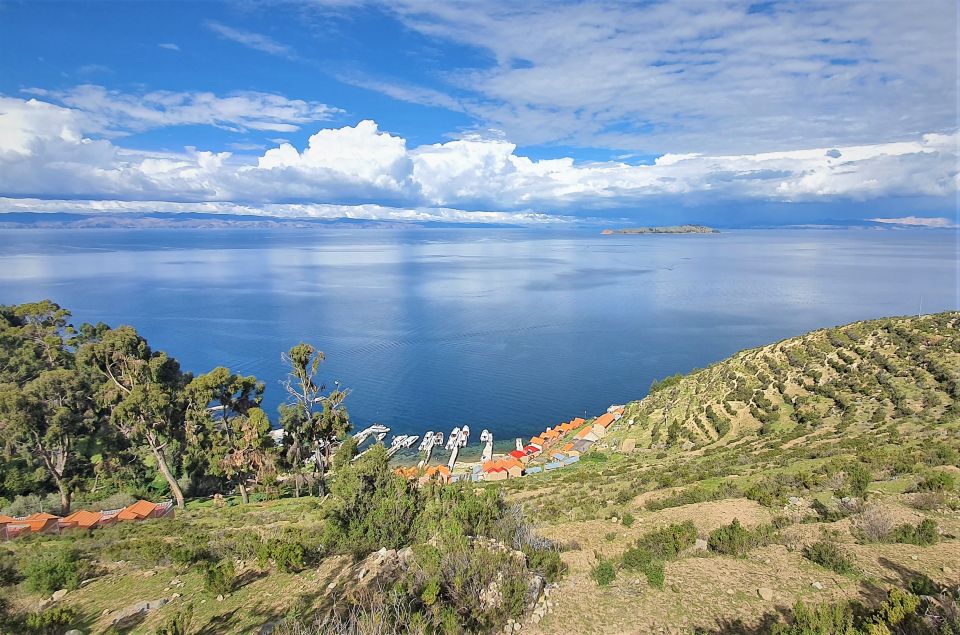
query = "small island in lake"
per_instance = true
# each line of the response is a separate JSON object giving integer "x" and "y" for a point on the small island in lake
{"x": 674, "y": 229}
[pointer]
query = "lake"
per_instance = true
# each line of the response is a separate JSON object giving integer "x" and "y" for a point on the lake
{"x": 508, "y": 329}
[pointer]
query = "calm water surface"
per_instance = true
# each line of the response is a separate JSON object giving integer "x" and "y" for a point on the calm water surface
{"x": 507, "y": 329}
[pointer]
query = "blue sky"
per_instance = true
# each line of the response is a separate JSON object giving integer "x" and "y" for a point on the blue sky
{"x": 725, "y": 113}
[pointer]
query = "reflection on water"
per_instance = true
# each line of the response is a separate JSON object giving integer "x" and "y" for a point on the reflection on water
{"x": 507, "y": 329}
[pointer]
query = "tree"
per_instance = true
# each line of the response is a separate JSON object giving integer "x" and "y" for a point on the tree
{"x": 33, "y": 338}
{"x": 311, "y": 420}
{"x": 47, "y": 420}
{"x": 227, "y": 424}
{"x": 144, "y": 392}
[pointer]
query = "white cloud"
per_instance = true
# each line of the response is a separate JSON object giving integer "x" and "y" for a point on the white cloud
{"x": 252, "y": 40}
{"x": 299, "y": 210}
{"x": 110, "y": 111}
{"x": 47, "y": 151}
{"x": 170, "y": 46}
{"x": 720, "y": 78}
{"x": 915, "y": 221}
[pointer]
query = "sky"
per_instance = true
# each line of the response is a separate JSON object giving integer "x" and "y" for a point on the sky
{"x": 557, "y": 113}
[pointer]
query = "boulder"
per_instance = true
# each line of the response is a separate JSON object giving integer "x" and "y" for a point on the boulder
{"x": 816, "y": 585}
{"x": 58, "y": 595}
{"x": 765, "y": 593}
{"x": 74, "y": 631}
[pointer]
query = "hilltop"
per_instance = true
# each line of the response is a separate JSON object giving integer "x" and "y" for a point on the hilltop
{"x": 821, "y": 469}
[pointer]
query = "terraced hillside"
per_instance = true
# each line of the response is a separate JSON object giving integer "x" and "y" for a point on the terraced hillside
{"x": 831, "y": 382}
{"x": 837, "y": 437}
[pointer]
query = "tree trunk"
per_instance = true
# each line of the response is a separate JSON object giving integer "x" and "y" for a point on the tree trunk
{"x": 165, "y": 470}
{"x": 64, "y": 498}
{"x": 244, "y": 496}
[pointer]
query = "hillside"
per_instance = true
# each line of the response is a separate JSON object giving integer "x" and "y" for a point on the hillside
{"x": 774, "y": 437}
{"x": 820, "y": 469}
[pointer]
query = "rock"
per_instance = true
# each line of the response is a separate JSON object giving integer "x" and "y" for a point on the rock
{"x": 914, "y": 558}
{"x": 730, "y": 591}
{"x": 615, "y": 520}
{"x": 149, "y": 573}
{"x": 74, "y": 631}
{"x": 105, "y": 612}
{"x": 534, "y": 589}
{"x": 220, "y": 598}
{"x": 795, "y": 501}
{"x": 535, "y": 619}
{"x": 174, "y": 596}
{"x": 86, "y": 582}
{"x": 58, "y": 595}
{"x": 947, "y": 570}
{"x": 700, "y": 545}
{"x": 516, "y": 627}
{"x": 363, "y": 573}
{"x": 765, "y": 593}
{"x": 331, "y": 586}
{"x": 816, "y": 585}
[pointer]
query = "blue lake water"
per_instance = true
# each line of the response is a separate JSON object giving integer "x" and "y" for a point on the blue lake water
{"x": 507, "y": 329}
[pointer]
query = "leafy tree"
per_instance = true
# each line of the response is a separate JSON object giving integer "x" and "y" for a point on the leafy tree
{"x": 229, "y": 427}
{"x": 144, "y": 392}
{"x": 47, "y": 420}
{"x": 311, "y": 420}
{"x": 33, "y": 339}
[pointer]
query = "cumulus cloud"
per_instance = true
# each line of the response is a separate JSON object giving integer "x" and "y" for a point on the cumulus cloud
{"x": 717, "y": 77}
{"x": 110, "y": 111}
{"x": 46, "y": 152}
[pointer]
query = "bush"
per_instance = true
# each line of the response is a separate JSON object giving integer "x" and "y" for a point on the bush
{"x": 736, "y": 540}
{"x": 923, "y": 534}
{"x": 9, "y": 574}
{"x": 54, "y": 569}
{"x": 827, "y": 553}
{"x": 287, "y": 555}
{"x": 546, "y": 562}
{"x": 218, "y": 578}
{"x": 603, "y": 572}
{"x": 873, "y": 525}
{"x": 52, "y": 621}
{"x": 640, "y": 559}
{"x": 628, "y": 519}
{"x": 937, "y": 481}
{"x": 858, "y": 480}
{"x": 179, "y": 623}
{"x": 668, "y": 542}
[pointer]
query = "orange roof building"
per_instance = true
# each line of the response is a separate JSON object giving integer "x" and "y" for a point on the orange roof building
{"x": 604, "y": 420}
{"x": 81, "y": 520}
{"x": 138, "y": 511}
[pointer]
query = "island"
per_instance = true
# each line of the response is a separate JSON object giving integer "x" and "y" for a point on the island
{"x": 673, "y": 229}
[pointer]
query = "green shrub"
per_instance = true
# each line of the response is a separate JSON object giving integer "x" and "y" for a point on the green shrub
{"x": 628, "y": 519}
{"x": 178, "y": 623}
{"x": 639, "y": 559}
{"x": 923, "y": 534}
{"x": 668, "y": 542}
{"x": 8, "y": 569}
{"x": 732, "y": 540}
{"x": 828, "y": 619}
{"x": 218, "y": 578}
{"x": 48, "y": 570}
{"x": 937, "y": 481}
{"x": 827, "y": 553}
{"x": 858, "y": 480}
{"x": 603, "y": 572}
{"x": 52, "y": 621}
{"x": 546, "y": 562}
